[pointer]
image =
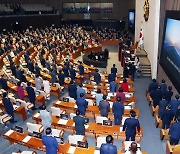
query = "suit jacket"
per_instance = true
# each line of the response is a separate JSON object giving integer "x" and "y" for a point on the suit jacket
{"x": 174, "y": 105}
{"x": 72, "y": 90}
{"x": 8, "y": 106}
{"x": 61, "y": 78}
{"x": 46, "y": 118}
{"x": 3, "y": 83}
{"x": 114, "y": 71}
{"x": 51, "y": 144}
{"x": 153, "y": 86}
{"x": 72, "y": 73}
{"x": 31, "y": 94}
{"x": 118, "y": 108}
{"x": 47, "y": 65}
{"x": 162, "y": 107}
{"x": 37, "y": 70}
{"x": 97, "y": 78}
{"x": 130, "y": 125}
{"x": 163, "y": 87}
{"x": 122, "y": 95}
{"x": 110, "y": 77}
{"x": 104, "y": 108}
{"x": 108, "y": 149}
{"x": 53, "y": 75}
{"x": 156, "y": 96}
{"x": 113, "y": 86}
{"x": 65, "y": 70}
{"x": 167, "y": 116}
{"x": 79, "y": 91}
{"x": 174, "y": 131}
{"x": 79, "y": 124}
{"x": 13, "y": 69}
{"x": 168, "y": 95}
{"x": 82, "y": 105}
{"x": 30, "y": 66}
{"x": 81, "y": 69}
{"x": 132, "y": 69}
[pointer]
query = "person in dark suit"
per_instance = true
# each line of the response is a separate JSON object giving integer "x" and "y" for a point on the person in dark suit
{"x": 48, "y": 64}
{"x": 104, "y": 107}
{"x": 125, "y": 72}
{"x": 3, "y": 83}
{"x": 8, "y": 107}
{"x": 79, "y": 123}
{"x": 174, "y": 132}
{"x": 167, "y": 117}
{"x": 23, "y": 77}
{"x": 156, "y": 96}
{"x": 130, "y": 126}
{"x": 50, "y": 142}
{"x": 114, "y": 70}
{"x": 81, "y": 68}
{"x": 72, "y": 73}
{"x": 153, "y": 86}
{"x": 37, "y": 70}
{"x": 72, "y": 90}
{"x": 111, "y": 77}
{"x": 53, "y": 76}
{"x": 175, "y": 103}
{"x": 13, "y": 69}
{"x": 163, "y": 86}
{"x": 81, "y": 90}
{"x": 113, "y": 86}
{"x": 82, "y": 104}
{"x": 132, "y": 70}
{"x": 97, "y": 77}
{"x": 162, "y": 106}
{"x": 168, "y": 94}
{"x": 65, "y": 70}
{"x": 108, "y": 147}
{"x": 31, "y": 94}
{"x": 30, "y": 66}
{"x": 18, "y": 73}
{"x": 61, "y": 78}
{"x": 118, "y": 111}
{"x": 177, "y": 112}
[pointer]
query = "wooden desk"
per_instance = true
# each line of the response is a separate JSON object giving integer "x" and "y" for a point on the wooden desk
{"x": 93, "y": 49}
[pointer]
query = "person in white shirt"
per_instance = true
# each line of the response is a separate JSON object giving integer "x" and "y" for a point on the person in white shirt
{"x": 133, "y": 149}
{"x": 47, "y": 88}
{"x": 45, "y": 117}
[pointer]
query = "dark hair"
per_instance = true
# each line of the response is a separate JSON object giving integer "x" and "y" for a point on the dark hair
{"x": 29, "y": 83}
{"x": 99, "y": 91}
{"x": 132, "y": 113}
{"x": 77, "y": 112}
{"x": 19, "y": 83}
{"x": 114, "y": 65}
{"x": 109, "y": 139}
{"x": 163, "y": 81}
{"x": 81, "y": 95}
{"x": 177, "y": 96}
{"x": 48, "y": 131}
{"x": 154, "y": 80}
{"x": 118, "y": 99}
{"x": 169, "y": 88}
{"x": 124, "y": 80}
{"x": 4, "y": 94}
{"x": 104, "y": 97}
{"x": 133, "y": 147}
{"x": 43, "y": 107}
{"x": 80, "y": 85}
{"x": 120, "y": 89}
{"x": 97, "y": 70}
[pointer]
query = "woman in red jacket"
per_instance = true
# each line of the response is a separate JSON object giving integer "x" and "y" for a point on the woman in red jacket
{"x": 124, "y": 85}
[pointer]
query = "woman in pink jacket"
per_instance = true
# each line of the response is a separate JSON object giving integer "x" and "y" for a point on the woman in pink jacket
{"x": 20, "y": 91}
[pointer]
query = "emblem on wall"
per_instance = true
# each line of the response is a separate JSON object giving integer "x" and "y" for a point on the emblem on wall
{"x": 146, "y": 10}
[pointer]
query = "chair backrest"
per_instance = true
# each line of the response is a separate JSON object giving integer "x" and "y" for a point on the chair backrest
{"x": 12, "y": 99}
{"x": 56, "y": 132}
{"x": 99, "y": 119}
{"x": 56, "y": 111}
{"x": 176, "y": 149}
{"x": 100, "y": 140}
{"x": 34, "y": 127}
{"x": 90, "y": 102}
{"x": 71, "y": 99}
{"x": 72, "y": 115}
{"x": 73, "y": 139}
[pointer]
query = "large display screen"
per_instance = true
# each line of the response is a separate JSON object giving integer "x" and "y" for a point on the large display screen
{"x": 170, "y": 51}
{"x": 131, "y": 20}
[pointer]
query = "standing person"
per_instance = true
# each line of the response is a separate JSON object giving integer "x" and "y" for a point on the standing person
{"x": 50, "y": 142}
{"x": 121, "y": 94}
{"x": 53, "y": 76}
{"x": 156, "y": 96}
{"x": 61, "y": 78}
{"x": 162, "y": 106}
{"x": 163, "y": 86}
{"x": 174, "y": 132}
{"x": 47, "y": 88}
{"x": 37, "y": 70}
{"x": 167, "y": 117}
{"x": 8, "y": 107}
{"x": 31, "y": 94}
{"x": 153, "y": 86}
{"x": 124, "y": 85}
{"x": 45, "y": 117}
{"x": 38, "y": 83}
{"x": 81, "y": 68}
{"x": 82, "y": 104}
{"x": 79, "y": 123}
{"x": 81, "y": 90}
{"x": 113, "y": 86}
{"x": 108, "y": 147}
{"x": 20, "y": 91}
{"x": 65, "y": 70}
{"x": 130, "y": 126}
{"x": 132, "y": 70}
{"x": 99, "y": 97}
{"x": 118, "y": 111}
{"x": 125, "y": 72}
{"x": 168, "y": 94}
{"x": 114, "y": 70}
{"x": 3, "y": 83}
{"x": 104, "y": 107}
{"x": 72, "y": 73}
{"x": 97, "y": 77}
{"x": 72, "y": 89}
{"x": 175, "y": 103}
{"x": 111, "y": 77}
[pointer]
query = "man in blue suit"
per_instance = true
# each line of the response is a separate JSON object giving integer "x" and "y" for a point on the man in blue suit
{"x": 65, "y": 70}
{"x": 175, "y": 103}
{"x": 79, "y": 123}
{"x": 61, "y": 78}
{"x": 130, "y": 126}
{"x": 162, "y": 106}
{"x": 8, "y": 106}
{"x": 118, "y": 111}
{"x": 53, "y": 76}
{"x": 82, "y": 104}
{"x": 174, "y": 132}
{"x": 104, "y": 107}
{"x": 153, "y": 86}
{"x": 156, "y": 96}
{"x": 72, "y": 73}
{"x": 81, "y": 68}
{"x": 167, "y": 117}
{"x": 31, "y": 94}
{"x": 163, "y": 86}
{"x": 132, "y": 70}
{"x": 50, "y": 142}
{"x": 97, "y": 77}
{"x": 3, "y": 83}
{"x": 37, "y": 70}
{"x": 72, "y": 90}
{"x": 108, "y": 148}
{"x": 111, "y": 77}
{"x": 114, "y": 70}
{"x": 168, "y": 94}
{"x": 81, "y": 90}
{"x": 113, "y": 86}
